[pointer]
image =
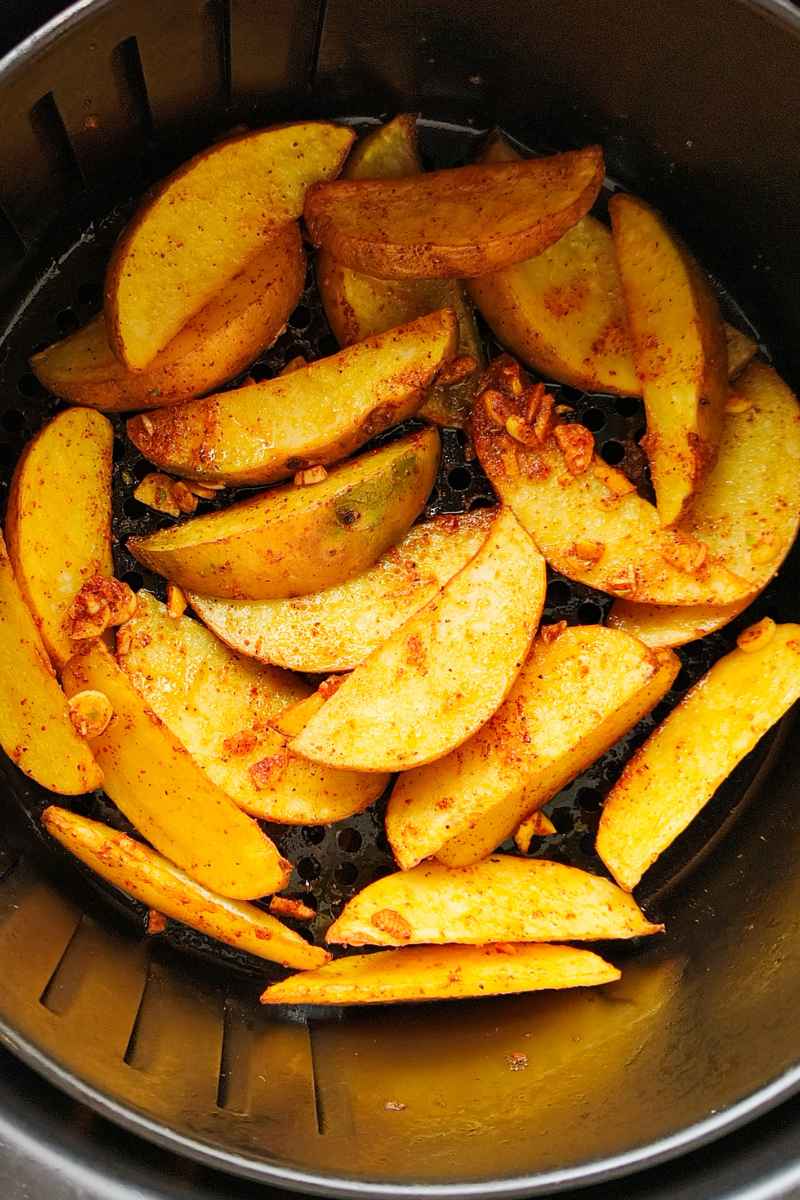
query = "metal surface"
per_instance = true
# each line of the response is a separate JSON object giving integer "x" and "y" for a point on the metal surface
{"x": 167, "y": 1038}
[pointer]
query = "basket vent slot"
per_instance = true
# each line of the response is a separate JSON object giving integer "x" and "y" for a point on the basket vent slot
{"x": 12, "y": 248}
{"x": 126, "y": 64}
{"x": 51, "y": 134}
{"x": 63, "y": 984}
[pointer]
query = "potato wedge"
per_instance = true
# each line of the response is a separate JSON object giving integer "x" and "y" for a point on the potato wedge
{"x": 203, "y": 224}
{"x": 152, "y": 879}
{"x": 739, "y": 699}
{"x": 502, "y": 899}
{"x": 741, "y": 349}
{"x": 335, "y": 630}
{"x": 318, "y": 414}
{"x": 454, "y": 223}
{"x": 586, "y": 518}
{"x": 220, "y": 707}
{"x": 659, "y": 626}
{"x": 421, "y": 973}
{"x": 55, "y": 546}
{"x": 679, "y": 349}
{"x": 36, "y": 731}
{"x": 538, "y": 824}
{"x": 166, "y": 796}
{"x": 318, "y": 536}
{"x": 572, "y": 700}
{"x": 443, "y": 673}
{"x": 358, "y": 305}
{"x": 223, "y": 338}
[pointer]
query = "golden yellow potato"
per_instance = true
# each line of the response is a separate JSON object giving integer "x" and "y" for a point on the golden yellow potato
{"x": 163, "y": 792}
{"x": 318, "y": 414}
{"x": 459, "y": 222}
{"x": 575, "y": 697}
{"x": 335, "y": 630}
{"x": 358, "y": 305}
{"x": 221, "y": 708}
{"x": 36, "y": 731}
{"x": 664, "y": 625}
{"x": 443, "y": 673}
{"x": 538, "y": 824}
{"x": 58, "y": 522}
{"x": 679, "y": 349}
{"x": 152, "y": 879}
{"x": 502, "y": 899}
{"x": 443, "y": 973}
{"x": 293, "y": 540}
{"x": 203, "y": 224}
{"x": 681, "y": 765}
{"x": 586, "y": 517}
{"x": 245, "y": 316}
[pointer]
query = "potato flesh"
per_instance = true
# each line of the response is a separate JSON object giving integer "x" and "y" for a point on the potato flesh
{"x": 322, "y": 412}
{"x": 55, "y": 547}
{"x": 444, "y": 672}
{"x": 166, "y": 796}
{"x": 335, "y": 630}
{"x": 739, "y": 699}
{"x": 219, "y": 706}
{"x": 502, "y": 899}
{"x": 224, "y": 337}
{"x": 359, "y": 305}
{"x": 35, "y": 727}
{"x": 231, "y": 196}
{"x": 318, "y": 536}
{"x": 538, "y": 824}
{"x": 421, "y": 973}
{"x": 454, "y": 223}
{"x": 574, "y": 698}
{"x": 153, "y": 880}
{"x": 679, "y": 348}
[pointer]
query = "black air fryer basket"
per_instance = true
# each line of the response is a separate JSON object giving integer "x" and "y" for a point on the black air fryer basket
{"x": 698, "y": 109}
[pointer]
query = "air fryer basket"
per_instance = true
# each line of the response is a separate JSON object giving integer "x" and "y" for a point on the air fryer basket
{"x": 166, "y": 1035}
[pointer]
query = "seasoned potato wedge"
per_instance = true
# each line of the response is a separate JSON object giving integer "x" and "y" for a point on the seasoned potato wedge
{"x": 317, "y": 536}
{"x": 443, "y": 973}
{"x": 715, "y": 725}
{"x": 679, "y": 349}
{"x": 149, "y": 877}
{"x": 220, "y": 707}
{"x": 538, "y": 824}
{"x": 223, "y": 338}
{"x": 443, "y": 673}
{"x": 335, "y": 630}
{"x": 318, "y": 414}
{"x": 36, "y": 731}
{"x": 453, "y": 223}
{"x": 575, "y": 697}
{"x": 359, "y": 305}
{"x": 58, "y": 522}
{"x": 164, "y": 793}
{"x": 502, "y": 899}
{"x": 666, "y": 625}
{"x": 585, "y": 516}
{"x": 202, "y": 225}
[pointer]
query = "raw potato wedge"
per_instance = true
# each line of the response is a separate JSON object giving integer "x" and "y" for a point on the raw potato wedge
{"x": 155, "y": 881}
{"x": 294, "y": 540}
{"x": 318, "y": 414}
{"x": 220, "y": 706}
{"x": 36, "y": 731}
{"x": 572, "y": 700}
{"x": 454, "y": 223}
{"x": 358, "y": 305}
{"x": 562, "y": 311}
{"x": 679, "y": 348}
{"x": 223, "y": 338}
{"x": 502, "y": 899}
{"x": 538, "y": 824}
{"x": 421, "y": 973}
{"x": 58, "y": 522}
{"x": 166, "y": 796}
{"x": 443, "y": 673}
{"x": 589, "y": 522}
{"x": 335, "y": 630}
{"x": 740, "y": 698}
{"x": 203, "y": 224}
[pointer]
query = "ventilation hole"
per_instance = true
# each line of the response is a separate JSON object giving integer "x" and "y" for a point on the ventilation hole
{"x": 594, "y": 419}
{"x": 480, "y": 502}
{"x": 590, "y": 613}
{"x": 13, "y": 420}
{"x": 639, "y": 433}
{"x": 126, "y": 65}
{"x": 613, "y": 452}
{"x": 307, "y": 898}
{"x": 562, "y": 819}
{"x": 133, "y": 508}
{"x": 558, "y": 592}
{"x": 308, "y": 869}
{"x": 627, "y": 406}
{"x": 66, "y": 321}
{"x": 590, "y": 799}
{"x": 12, "y": 248}
{"x": 53, "y": 138}
{"x": 133, "y": 579}
{"x": 327, "y": 345}
{"x": 314, "y": 834}
{"x": 349, "y": 840}
{"x": 382, "y": 842}
{"x": 300, "y": 318}
{"x": 8, "y": 456}
{"x": 587, "y": 844}
{"x": 142, "y": 468}
{"x": 459, "y": 478}
{"x": 29, "y": 386}
{"x": 345, "y": 874}
{"x": 51, "y": 998}
{"x": 89, "y": 294}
